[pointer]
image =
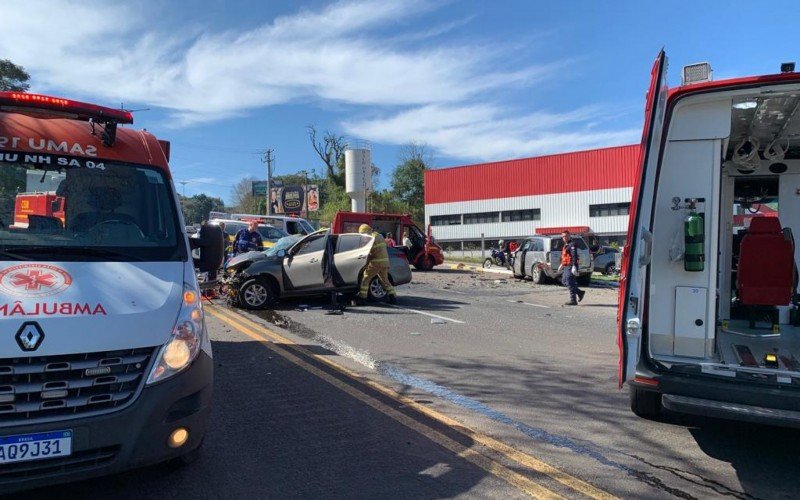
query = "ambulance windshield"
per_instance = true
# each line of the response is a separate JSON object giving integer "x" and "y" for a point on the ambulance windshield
{"x": 85, "y": 211}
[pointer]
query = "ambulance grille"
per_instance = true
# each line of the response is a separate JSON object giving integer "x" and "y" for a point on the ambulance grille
{"x": 58, "y": 387}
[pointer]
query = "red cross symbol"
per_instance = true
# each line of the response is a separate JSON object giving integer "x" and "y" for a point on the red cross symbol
{"x": 33, "y": 280}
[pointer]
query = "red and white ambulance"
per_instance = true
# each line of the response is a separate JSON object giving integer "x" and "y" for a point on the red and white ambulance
{"x": 105, "y": 363}
{"x": 708, "y": 312}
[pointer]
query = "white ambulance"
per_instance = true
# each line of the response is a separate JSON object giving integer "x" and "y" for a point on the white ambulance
{"x": 105, "y": 363}
{"x": 709, "y": 320}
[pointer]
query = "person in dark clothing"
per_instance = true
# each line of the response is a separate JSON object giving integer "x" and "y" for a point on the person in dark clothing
{"x": 569, "y": 267}
{"x": 247, "y": 239}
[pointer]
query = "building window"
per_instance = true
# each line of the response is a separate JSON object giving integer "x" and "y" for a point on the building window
{"x": 482, "y": 218}
{"x": 609, "y": 209}
{"x": 445, "y": 220}
{"x": 522, "y": 215}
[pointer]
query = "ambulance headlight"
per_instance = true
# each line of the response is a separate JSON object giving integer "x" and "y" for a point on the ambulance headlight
{"x": 188, "y": 337}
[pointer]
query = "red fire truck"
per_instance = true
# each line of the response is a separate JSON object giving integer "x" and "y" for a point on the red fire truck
{"x": 30, "y": 206}
{"x": 423, "y": 253}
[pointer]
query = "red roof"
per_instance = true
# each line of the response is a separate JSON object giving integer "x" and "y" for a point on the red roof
{"x": 578, "y": 171}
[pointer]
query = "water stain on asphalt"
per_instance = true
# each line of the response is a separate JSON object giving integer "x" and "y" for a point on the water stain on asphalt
{"x": 592, "y": 450}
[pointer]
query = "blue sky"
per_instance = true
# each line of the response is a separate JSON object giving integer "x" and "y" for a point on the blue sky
{"x": 474, "y": 80}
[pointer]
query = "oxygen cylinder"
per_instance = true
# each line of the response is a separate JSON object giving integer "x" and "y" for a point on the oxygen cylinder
{"x": 694, "y": 239}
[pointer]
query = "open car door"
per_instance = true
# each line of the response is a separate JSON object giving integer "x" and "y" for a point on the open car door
{"x": 633, "y": 307}
{"x": 351, "y": 255}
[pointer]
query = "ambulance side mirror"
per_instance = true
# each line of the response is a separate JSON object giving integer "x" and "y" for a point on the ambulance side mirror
{"x": 211, "y": 243}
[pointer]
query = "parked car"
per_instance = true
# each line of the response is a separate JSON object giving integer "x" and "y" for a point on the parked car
{"x": 295, "y": 267}
{"x": 540, "y": 257}
{"x": 605, "y": 260}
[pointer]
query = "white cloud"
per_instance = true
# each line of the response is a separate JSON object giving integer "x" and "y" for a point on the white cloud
{"x": 359, "y": 53}
{"x": 486, "y": 132}
{"x": 107, "y": 51}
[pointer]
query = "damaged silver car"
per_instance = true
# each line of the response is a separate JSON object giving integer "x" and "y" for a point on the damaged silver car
{"x": 317, "y": 264}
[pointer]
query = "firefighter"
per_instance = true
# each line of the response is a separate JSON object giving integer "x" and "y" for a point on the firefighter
{"x": 377, "y": 266}
{"x": 569, "y": 266}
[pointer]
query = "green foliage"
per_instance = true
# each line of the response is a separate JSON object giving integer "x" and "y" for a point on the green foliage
{"x": 196, "y": 208}
{"x": 332, "y": 199}
{"x": 243, "y": 199}
{"x": 13, "y": 77}
{"x": 408, "y": 179}
{"x": 12, "y": 181}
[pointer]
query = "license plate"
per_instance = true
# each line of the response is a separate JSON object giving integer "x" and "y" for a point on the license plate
{"x": 28, "y": 447}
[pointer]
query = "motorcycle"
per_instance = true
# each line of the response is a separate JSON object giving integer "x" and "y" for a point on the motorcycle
{"x": 498, "y": 258}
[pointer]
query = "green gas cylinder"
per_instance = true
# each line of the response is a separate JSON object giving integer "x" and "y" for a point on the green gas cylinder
{"x": 694, "y": 239}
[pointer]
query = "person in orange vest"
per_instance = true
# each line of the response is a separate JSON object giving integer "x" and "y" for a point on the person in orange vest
{"x": 569, "y": 267}
{"x": 377, "y": 266}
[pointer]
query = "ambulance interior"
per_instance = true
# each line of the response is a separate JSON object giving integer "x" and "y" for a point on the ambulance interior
{"x": 734, "y": 160}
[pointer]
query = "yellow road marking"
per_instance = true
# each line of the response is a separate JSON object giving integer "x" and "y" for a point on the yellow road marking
{"x": 498, "y": 446}
{"x": 523, "y": 483}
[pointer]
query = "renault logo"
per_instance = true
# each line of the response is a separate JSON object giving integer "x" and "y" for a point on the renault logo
{"x": 30, "y": 336}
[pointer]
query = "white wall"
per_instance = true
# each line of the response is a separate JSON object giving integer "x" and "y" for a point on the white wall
{"x": 562, "y": 209}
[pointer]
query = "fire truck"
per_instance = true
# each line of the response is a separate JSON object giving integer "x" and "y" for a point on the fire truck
{"x": 423, "y": 253}
{"x": 35, "y": 205}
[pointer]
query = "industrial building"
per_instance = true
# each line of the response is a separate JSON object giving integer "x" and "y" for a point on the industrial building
{"x": 583, "y": 190}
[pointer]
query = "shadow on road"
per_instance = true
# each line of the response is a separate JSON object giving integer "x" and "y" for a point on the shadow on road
{"x": 278, "y": 431}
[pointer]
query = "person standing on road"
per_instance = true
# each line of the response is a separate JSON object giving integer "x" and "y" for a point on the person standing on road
{"x": 569, "y": 267}
{"x": 407, "y": 241}
{"x": 377, "y": 266}
{"x": 390, "y": 241}
{"x": 247, "y": 239}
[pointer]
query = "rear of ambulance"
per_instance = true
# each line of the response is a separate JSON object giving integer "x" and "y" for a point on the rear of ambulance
{"x": 105, "y": 363}
{"x": 708, "y": 295}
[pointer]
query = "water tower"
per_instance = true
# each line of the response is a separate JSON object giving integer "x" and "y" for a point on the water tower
{"x": 358, "y": 175}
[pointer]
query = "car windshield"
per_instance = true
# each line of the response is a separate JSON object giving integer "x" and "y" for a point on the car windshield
{"x": 57, "y": 208}
{"x": 283, "y": 244}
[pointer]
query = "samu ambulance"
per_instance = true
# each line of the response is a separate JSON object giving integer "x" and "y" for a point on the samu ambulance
{"x": 105, "y": 363}
{"x": 709, "y": 320}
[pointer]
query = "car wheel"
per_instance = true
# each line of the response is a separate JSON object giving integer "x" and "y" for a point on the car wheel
{"x": 376, "y": 290}
{"x": 537, "y": 275}
{"x": 645, "y": 404}
{"x": 256, "y": 293}
{"x": 584, "y": 279}
{"x": 425, "y": 264}
{"x": 609, "y": 270}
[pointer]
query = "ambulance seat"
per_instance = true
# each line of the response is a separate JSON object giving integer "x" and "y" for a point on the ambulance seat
{"x": 766, "y": 265}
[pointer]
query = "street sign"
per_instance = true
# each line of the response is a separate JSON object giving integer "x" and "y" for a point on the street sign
{"x": 259, "y": 188}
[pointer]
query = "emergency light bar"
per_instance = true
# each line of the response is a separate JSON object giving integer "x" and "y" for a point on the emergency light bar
{"x": 696, "y": 73}
{"x": 22, "y": 101}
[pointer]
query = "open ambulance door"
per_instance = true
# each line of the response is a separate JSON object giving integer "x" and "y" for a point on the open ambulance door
{"x": 632, "y": 311}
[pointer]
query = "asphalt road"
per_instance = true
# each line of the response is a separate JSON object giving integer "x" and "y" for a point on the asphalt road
{"x": 485, "y": 389}
{"x": 508, "y": 360}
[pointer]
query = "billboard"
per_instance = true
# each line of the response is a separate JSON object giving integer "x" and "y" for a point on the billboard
{"x": 293, "y": 199}
{"x": 259, "y": 188}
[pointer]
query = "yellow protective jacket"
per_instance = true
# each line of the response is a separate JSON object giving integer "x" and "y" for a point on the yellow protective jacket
{"x": 379, "y": 255}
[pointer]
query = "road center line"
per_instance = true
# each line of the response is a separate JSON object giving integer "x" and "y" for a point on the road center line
{"x": 427, "y": 314}
{"x": 516, "y": 479}
{"x": 265, "y": 335}
{"x": 529, "y": 304}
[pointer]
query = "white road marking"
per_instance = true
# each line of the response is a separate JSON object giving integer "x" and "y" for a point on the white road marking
{"x": 529, "y": 304}
{"x": 427, "y": 314}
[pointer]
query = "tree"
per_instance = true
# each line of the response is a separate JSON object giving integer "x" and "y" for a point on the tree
{"x": 13, "y": 77}
{"x": 331, "y": 151}
{"x": 196, "y": 208}
{"x": 408, "y": 178}
{"x": 243, "y": 199}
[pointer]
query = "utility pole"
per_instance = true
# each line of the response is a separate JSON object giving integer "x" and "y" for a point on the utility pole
{"x": 268, "y": 159}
